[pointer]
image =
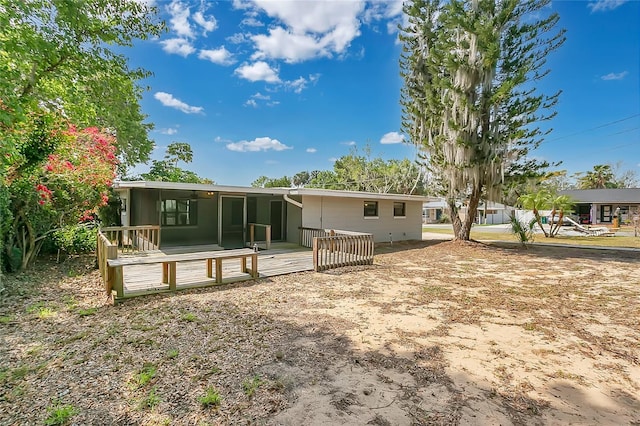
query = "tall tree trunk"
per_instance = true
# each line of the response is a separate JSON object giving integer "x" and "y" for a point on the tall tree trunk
{"x": 462, "y": 228}
{"x": 455, "y": 216}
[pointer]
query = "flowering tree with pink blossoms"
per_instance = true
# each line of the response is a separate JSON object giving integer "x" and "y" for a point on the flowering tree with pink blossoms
{"x": 63, "y": 178}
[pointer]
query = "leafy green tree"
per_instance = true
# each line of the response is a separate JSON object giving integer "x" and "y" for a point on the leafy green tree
{"x": 57, "y": 55}
{"x": 167, "y": 170}
{"x": 363, "y": 172}
{"x": 267, "y": 182}
{"x": 470, "y": 98}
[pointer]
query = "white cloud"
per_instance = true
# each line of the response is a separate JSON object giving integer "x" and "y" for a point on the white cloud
{"x": 333, "y": 159}
{"x": 309, "y": 30}
{"x": 392, "y": 137}
{"x": 178, "y": 46}
{"x": 252, "y": 22}
{"x": 168, "y": 100}
{"x": 258, "y": 71}
{"x": 258, "y": 98}
{"x": 605, "y": 5}
{"x": 312, "y": 150}
{"x": 614, "y": 76}
{"x": 208, "y": 23}
{"x": 349, "y": 143}
{"x": 238, "y": 38}
{"x": 169, "y": 131}
{"x": 298, "y": 85}
{"x": 180, "y": 18}
{"x": 219, "y": 56}
{"x": 258, "y": 144}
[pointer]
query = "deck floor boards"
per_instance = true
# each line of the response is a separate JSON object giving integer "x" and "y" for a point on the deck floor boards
{"x": 147, "y": 279}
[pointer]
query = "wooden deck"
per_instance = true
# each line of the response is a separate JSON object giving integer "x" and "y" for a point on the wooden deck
{"x": 282, "y": 258}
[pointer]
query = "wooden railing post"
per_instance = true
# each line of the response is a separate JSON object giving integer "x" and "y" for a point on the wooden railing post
{"x": 315, "y": 254}
{"x": 268, "y": 236}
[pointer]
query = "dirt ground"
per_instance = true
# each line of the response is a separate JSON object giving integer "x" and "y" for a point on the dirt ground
{"x": 433, "y": 333}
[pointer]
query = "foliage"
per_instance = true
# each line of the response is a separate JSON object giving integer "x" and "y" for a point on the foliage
{"x": 267, "y": 182}
{"x": 167, "y": 170}
{"x": 249, "y": 386}
{"x": 599, "y": 178}
{"x": 75, "y": 239}
{"x": 606, "y": 176}
{"x": 543, "y": 199}
{"x": 524, "y": 232}
{"x": 470, "y": 101}
{"x": 211, "y": 398}
{"x": 357, "y": 172}
{"x": 57, "y": 186}
{"x": 144, "y": 376}
{"x": 151, "y": 400}
{"x": 57, "y": 55}
{"x": 59, "y": 414}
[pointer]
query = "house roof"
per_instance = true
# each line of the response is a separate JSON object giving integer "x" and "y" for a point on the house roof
{"x": 275, "y": 191}
{"x": 603, "y": 196}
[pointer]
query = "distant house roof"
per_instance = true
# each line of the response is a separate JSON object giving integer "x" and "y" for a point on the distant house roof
{"x": 274, "y": 191}
{"x": 601, "y": 196}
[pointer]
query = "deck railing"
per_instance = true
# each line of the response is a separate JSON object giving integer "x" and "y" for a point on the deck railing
{"x": 253, "y": 237}
{"x": 106, "y": 250}
{"x": 308, "y": 234}
{"x": 338, "y": 248}
{"x": 133, "y": 239}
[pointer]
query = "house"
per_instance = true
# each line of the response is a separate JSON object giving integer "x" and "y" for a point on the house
{"x": 594, "y": 206}
{"x": 488, "y": 212}
{"x": 191, "y": 214}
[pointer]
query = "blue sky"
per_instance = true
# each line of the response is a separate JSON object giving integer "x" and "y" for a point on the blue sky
{"x": 263, "y": 87}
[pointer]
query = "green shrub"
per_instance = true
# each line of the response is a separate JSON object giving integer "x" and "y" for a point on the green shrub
{"x": 75, "y": 239}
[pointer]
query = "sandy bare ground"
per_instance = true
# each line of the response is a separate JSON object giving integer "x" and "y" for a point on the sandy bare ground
{"x": 433, "y": 333}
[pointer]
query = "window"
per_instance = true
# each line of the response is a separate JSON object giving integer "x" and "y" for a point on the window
{"x": 178, "y": 212}
{"x": 399, "y": 209}
{"x": 370, "y": 209}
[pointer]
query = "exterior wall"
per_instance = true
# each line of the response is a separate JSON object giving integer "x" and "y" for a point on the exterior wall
{"x": 142, "y": 208}
{"x": 263, "y": 214}
{"x": 348, "y": 214}
{"x": 294, "y": 221}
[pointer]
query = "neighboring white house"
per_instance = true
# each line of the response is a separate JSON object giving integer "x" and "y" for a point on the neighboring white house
{"x": 214, "y": 214}
{"x": 488, "y": 213}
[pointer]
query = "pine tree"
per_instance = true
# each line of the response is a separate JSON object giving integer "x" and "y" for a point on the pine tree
{"x": 470, "y": 101}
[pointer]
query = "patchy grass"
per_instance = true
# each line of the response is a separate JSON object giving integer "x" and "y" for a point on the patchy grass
{"x": 59, "y": 414}
{"x": 479, "y": 235}
{"x": 211, "y": 398}
{"x": 249, "y": 386}
{"x": 145, "y": 375}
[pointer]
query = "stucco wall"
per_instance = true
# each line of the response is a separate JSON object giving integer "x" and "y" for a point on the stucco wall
{"x": 348, "y": 214}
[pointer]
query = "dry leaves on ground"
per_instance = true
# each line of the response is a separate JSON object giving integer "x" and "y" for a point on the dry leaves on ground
{"x": 432, "y": 333}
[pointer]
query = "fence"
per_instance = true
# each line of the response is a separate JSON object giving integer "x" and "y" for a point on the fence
{"x": 337, "y": 248}
{"x": 133, "y": 239}
{"x": 106, "y": 250}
